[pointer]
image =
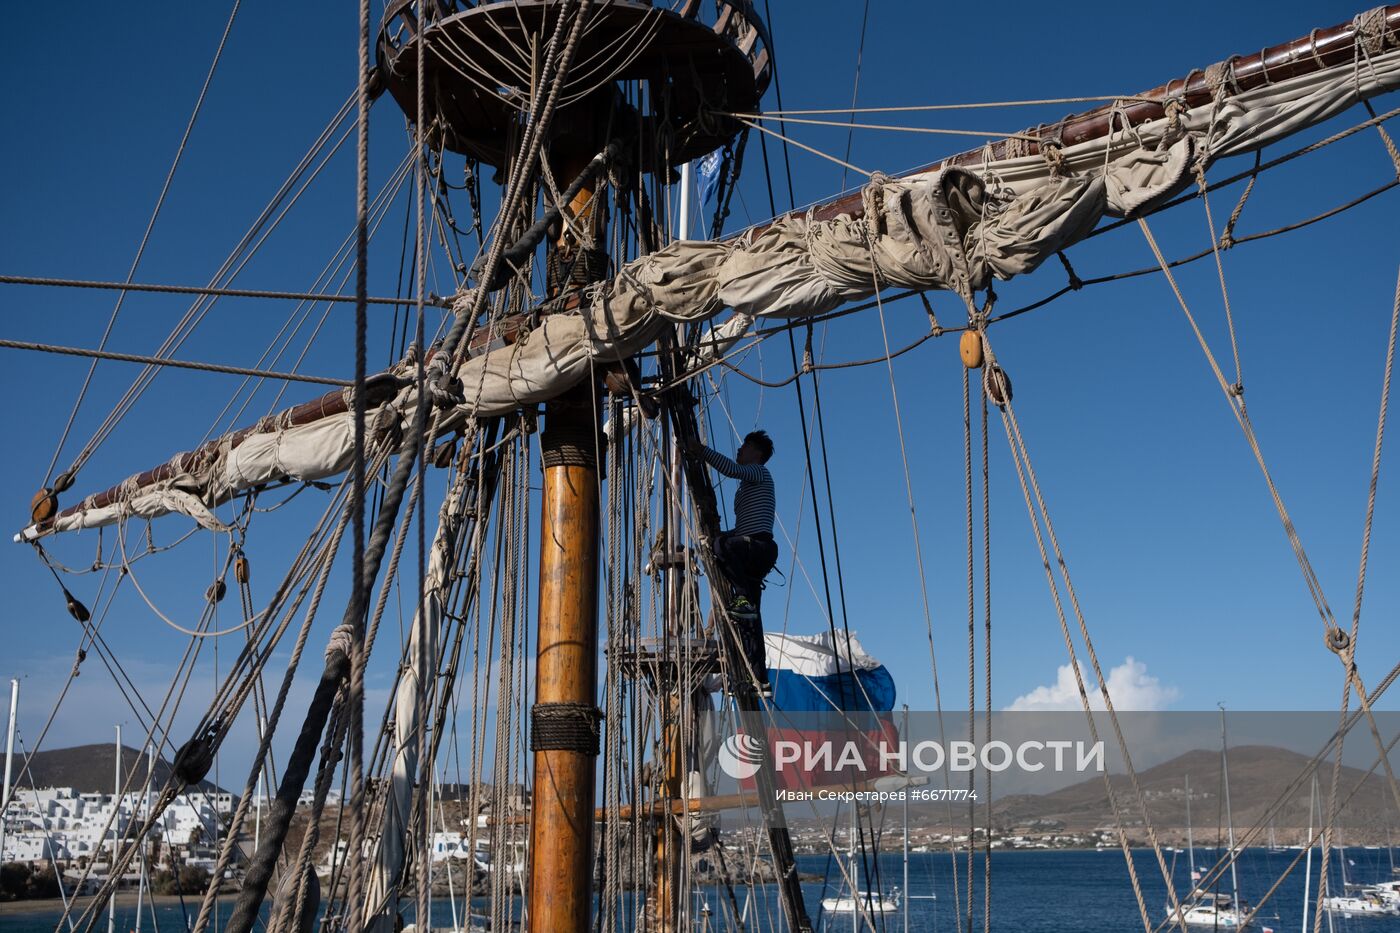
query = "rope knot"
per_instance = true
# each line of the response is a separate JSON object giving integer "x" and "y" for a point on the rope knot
{"x": 342, "y": 641}
{"x": 1054, "y": 156}
{"x": 443, "y": 387}
{"x": 1172, "y": 109}
{"x": 1370, "y": 30}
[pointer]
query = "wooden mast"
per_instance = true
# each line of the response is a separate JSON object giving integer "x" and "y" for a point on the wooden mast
{"x": 564, "y": 719}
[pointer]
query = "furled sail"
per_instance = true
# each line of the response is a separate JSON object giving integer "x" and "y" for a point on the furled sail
{"x": 951, "y": 227}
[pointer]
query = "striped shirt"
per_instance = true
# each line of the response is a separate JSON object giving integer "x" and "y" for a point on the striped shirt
{"x": 754, "y": 502}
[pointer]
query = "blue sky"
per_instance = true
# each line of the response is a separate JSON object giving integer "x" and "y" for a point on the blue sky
{"x": 1175, "y": 549}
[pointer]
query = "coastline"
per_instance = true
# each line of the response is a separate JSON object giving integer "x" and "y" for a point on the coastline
{"x": 55, "y": 905}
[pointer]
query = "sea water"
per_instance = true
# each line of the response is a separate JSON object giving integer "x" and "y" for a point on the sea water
{"x": 1047, "y": 891}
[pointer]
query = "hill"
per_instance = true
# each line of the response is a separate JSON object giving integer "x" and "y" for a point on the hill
{"x": 1259, "y": 776}
{"x": 90, "y": 769}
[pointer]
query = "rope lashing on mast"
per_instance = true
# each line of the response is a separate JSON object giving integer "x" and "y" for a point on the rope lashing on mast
{"x": 570, "y": 727}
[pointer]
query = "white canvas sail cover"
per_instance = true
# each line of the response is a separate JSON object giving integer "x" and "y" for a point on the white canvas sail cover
{"x": 954, "y": 229}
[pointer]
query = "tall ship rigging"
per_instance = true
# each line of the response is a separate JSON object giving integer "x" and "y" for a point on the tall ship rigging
{"x": 520, "y": 482}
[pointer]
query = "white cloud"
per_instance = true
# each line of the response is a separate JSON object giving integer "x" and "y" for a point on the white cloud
{"x": 1129, "y": 686}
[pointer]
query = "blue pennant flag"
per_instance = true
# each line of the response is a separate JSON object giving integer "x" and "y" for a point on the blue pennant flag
{"x": 707, "y": 174}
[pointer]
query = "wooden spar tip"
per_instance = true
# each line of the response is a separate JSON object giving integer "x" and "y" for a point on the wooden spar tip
{"x": 1319, "y": 49}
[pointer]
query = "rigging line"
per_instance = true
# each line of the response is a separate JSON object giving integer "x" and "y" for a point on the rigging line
{"x": 379, "y": 211}
{"x": 79, "y": 657}
{"x": 429, "y": 643}
{"x": 326, "y": 562}
{"x": 855, "y": 86}
{"x": 157, "y": 288}
{"x": 816, "y": 152}
{"x": 987, "y": 649}
{"x": 971, "y": 629}
{"x": 1021, "y": 454}
{"x": 934, "y": 131}
{"x": 1021, "y": 470}
{"x": 1376, "y": 464}
{"x": 1310, "y": 578}
{"x": 146, "y": 236}
{"x": 192, "y": 633}
{"x": 830, "y": 500}
{"x": 174, "y": 364}
{"x": 224, "y": 272}
{"x": 355, "y": 613}
{"x": 778, "y": 93}
{"x": 913, "y": 512}
{"x": 1309, "y": 842}
{"x": 973, "y": 106}
{"x": 1238, "y": 387}
{"x": 817, "y": 515}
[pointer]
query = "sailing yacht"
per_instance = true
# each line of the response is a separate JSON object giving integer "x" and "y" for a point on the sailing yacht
{"x": 1364, "y": 904}
{"x": 1207, "y": 909}
{"x": 864, "y": 902}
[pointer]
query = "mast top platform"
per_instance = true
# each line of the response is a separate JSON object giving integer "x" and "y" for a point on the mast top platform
{"x": 483, "y": 58}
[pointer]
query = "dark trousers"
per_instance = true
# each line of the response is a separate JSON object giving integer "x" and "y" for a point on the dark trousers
{"x": 745, "y": 561}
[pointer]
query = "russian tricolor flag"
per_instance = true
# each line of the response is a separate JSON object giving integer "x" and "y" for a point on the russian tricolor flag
{"x": 816, "y": 680}
{"x": 811, "y": 673}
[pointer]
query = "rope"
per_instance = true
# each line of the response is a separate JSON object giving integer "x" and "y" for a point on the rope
{"x": 971, "y": 629}
{"x": 1237, "y": 389}
{"x": 929, "y": 107}
{"x": 1021, "y": 470}
{"x": 1375, "y": 465}
{"x": 1227, "y": 237}
{"x": 816, "y": 152}
{"x": 164, "y": 361}
{"x": 980, "y": 134}
{"x": 1242, "y": 417}
{"x": 1025, "y": 471}
{"x": 987, "y": 652}
{"x": 355, "y": 611}
{"x": 203, "y": 290}
{"x": 855, "y": 84}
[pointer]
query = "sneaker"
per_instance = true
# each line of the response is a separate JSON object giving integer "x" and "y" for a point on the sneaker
{"x": 742, "y": 606}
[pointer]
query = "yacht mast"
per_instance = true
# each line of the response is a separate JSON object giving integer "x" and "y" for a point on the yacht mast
{"x": 9, "y": 761}
{"x": 1190, "y": 845}
{"x": 1307, "y": 865}
{"x": 116, "y": 823}
{"x": 1229, "y": 821}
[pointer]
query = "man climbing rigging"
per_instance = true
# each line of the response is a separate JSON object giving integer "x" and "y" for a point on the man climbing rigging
{"x": 747, "y": 552}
